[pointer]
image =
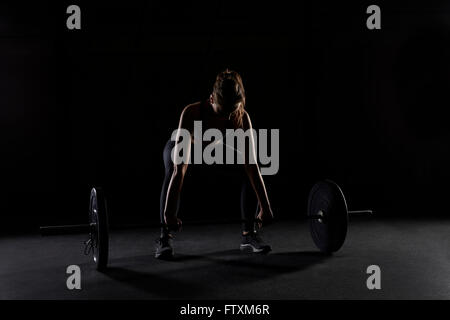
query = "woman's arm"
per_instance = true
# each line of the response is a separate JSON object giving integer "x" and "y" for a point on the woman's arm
{"x": 256, "y": 179}
{"x": 176, "y": 181}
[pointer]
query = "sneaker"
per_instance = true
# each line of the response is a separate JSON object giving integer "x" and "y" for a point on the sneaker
{"x": 253, "y": 241}
{"x": 164, "y": 249}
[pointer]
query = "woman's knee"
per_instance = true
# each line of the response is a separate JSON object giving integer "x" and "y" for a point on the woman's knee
{"x": 167, "y": 156}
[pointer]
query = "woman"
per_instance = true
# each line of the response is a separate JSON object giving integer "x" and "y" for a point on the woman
{"x": 224, "y": 110}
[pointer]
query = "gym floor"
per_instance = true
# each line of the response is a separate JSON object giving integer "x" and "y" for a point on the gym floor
{"x": 413, "y": 256}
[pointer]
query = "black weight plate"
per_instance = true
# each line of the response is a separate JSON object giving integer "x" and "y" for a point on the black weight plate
{"x": 328, "y": 233}
{"x": 98, "y": 218}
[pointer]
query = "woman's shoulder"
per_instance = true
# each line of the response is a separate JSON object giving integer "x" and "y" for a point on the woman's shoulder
{"x": 192, "y": 110}
{"x": 246, "y": 122}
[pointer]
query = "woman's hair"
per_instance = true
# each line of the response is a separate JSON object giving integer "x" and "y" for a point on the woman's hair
{"x": 229, "y": 93}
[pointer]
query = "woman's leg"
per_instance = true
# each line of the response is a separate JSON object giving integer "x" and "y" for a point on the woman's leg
{"x": 249, "y": 205}
{"x": 251, "y": 240}
{"x": 168, "y": 166}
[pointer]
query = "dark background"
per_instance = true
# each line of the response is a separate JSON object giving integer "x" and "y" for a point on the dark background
{"x": 95, "y": 106}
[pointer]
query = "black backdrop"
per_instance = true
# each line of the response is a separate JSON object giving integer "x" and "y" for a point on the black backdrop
{"x": 95, "y": 106}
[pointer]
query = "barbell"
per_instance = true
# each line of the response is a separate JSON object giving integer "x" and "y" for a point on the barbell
{"x": 327, "y": 213}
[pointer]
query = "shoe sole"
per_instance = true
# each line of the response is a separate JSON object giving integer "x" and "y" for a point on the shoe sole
{"x": 244, "y": 247}
{"x": 166, "y": 254}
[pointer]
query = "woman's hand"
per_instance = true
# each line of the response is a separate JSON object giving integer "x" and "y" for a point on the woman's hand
{"x": 265, "y": 216}
{"x": 173, "y": 223}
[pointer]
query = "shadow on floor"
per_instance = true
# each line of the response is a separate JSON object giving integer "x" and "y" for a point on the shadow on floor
{"x": 193, "y": 276}
{"x": 163, "y": 287}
